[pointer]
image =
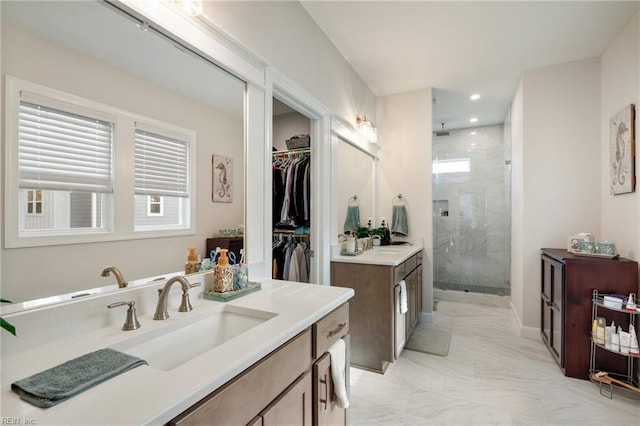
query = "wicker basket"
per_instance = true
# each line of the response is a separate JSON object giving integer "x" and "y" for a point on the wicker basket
{"x": 299, "y": 141}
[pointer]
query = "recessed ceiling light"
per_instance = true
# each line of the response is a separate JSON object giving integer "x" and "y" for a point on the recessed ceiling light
{"x": 473, "y": 133}
{"x": 474, "y": 97}
{"x": 473, "y": 119}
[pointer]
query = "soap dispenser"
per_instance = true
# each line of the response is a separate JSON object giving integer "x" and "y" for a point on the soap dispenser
{"x": 386, "y": 236}
{"x": 223, "y": 274}
{"x": 192, "y": 264}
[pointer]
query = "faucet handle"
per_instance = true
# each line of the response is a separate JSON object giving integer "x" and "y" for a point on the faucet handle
{"x": 131, "y": 322}
{"x": 185, "y": 304}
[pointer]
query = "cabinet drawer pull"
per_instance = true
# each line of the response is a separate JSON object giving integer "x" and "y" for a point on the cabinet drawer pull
{"x": 337, "y": 329}
{"x": 326, "y": 391}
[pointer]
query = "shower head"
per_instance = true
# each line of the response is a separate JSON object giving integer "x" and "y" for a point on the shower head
{"x": 442, "y": 132}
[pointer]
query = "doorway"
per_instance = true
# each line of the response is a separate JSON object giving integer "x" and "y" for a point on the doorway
{"x": 292, "y": 195}
{"x": 471, "y": 211}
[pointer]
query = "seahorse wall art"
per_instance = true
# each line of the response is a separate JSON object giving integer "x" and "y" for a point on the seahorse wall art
{"x": 622, "y": 151}
{"x": 222, "y": 186}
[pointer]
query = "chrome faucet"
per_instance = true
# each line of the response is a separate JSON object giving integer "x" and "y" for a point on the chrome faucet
{"x": 116, "y": 272}
{"x": 185, "y": 305}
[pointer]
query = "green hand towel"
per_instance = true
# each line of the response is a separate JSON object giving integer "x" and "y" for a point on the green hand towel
{"x": 399, "y": 225}
{"x": 352, "y": 222}
{"x": 57, "y": 384}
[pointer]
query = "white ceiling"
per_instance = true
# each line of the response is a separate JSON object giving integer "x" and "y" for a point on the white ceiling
{"x": 459, "y": 48}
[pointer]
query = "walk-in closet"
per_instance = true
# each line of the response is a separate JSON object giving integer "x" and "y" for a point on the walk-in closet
{"x": 291, "y": 219}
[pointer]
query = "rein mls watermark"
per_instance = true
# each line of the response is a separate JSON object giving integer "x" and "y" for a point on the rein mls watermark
{"x": 17, "y": 421}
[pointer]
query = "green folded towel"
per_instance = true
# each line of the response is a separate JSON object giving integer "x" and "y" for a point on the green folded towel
{"x": 352, "y": 222}
{"x": 57, "y": 384}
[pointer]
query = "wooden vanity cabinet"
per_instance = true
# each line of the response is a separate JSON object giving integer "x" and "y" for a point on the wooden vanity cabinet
{"x": 292, "y": 407}
{"x": 372, "y": 315}
{"x": 567, "y": 284}
{"x": 283, "y": 388}
{"x": 326, "y": 332}
{"x": 414, "y": 298}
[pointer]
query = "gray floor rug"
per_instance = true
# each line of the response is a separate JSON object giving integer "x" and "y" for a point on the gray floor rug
{"x": 428, "y": 340}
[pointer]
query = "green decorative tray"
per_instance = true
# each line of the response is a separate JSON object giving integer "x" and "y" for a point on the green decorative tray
{"x": 230, "y": 295}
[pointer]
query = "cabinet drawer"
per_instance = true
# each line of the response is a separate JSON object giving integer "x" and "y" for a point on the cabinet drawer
{"x": 238, "y": 402}
{"x": 410, "y": 264}
{"x": 329, "y": 329}
{"x": 405, "y": 268}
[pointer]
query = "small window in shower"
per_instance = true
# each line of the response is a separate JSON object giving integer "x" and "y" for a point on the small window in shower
{"x": 458, "y": 165}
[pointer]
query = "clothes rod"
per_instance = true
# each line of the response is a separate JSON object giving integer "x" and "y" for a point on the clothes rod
{"x": 291, "y": 233}
{"x": 291, "y": 152}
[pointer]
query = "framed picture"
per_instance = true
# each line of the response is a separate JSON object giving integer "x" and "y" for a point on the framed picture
{"x": 222, "y": 185}
{"x": 622, "y": 151}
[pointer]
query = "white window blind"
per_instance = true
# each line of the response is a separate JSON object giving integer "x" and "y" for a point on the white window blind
{"x": 62, "y": 150}
{"x": 161, "y": 165}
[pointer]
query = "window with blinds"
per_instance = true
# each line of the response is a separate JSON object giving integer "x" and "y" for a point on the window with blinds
{"x": 63, "y": 151}
{"x": 161, "y": 179}
{"x": 66, "y": 158}
{"x": 74, "y": 165}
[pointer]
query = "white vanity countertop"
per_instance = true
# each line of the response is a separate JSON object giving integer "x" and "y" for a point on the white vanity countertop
{"x": 379, "y": 255}
{"x": 146, "y": 395}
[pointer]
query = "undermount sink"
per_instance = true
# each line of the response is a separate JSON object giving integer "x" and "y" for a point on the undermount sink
{"x": 170, "y": 347}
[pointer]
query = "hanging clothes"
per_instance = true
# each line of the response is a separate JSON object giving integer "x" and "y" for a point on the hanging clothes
{"x": 291, "y": 258}
{"x": 291, "y": 211}
{"x": 291, "y": 192}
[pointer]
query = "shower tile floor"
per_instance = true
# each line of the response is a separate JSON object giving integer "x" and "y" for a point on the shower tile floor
{"x": 491, "y": 376}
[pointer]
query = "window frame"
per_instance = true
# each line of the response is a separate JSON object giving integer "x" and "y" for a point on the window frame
{"x": 119, "y": 217}
{"x": 189, "y": 138}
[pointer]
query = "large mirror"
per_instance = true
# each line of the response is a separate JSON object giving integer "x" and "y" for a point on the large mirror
{"x": 93, "y": 51}
{"x": 355, "y": 177}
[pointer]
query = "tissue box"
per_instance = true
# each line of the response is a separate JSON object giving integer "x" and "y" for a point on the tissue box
{"x": 612, "y": 302}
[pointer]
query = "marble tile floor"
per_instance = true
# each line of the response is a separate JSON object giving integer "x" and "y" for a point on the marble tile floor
{"x": 491, "y": 376}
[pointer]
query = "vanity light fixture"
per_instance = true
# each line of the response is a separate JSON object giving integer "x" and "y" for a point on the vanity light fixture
{"x": 367, "y": 129}
{"x": 474, "y": 97}
{"x": 473, "y": 119}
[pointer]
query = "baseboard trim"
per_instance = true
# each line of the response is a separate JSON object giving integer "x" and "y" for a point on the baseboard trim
{"x": 526, "y": 332}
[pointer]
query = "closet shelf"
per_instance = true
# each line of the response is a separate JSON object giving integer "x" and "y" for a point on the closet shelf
{"x": 292, "y": 233}
{"x": 284, "y": 153}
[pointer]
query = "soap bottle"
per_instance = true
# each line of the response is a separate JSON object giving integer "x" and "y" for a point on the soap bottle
{"x": 223, "y": 274}
{"x": 192, "y": 264}
{"x": 386, "y": 236}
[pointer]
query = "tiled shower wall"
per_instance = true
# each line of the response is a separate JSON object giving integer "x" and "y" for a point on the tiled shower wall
{"x": 471, "y": 212}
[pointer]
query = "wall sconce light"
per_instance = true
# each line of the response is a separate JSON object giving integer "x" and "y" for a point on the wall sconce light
{"x": 189, "y": 7}
{"x": 367, "y": 129}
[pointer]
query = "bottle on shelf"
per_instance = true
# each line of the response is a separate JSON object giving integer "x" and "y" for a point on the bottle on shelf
{"x": 192, "y": 265}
